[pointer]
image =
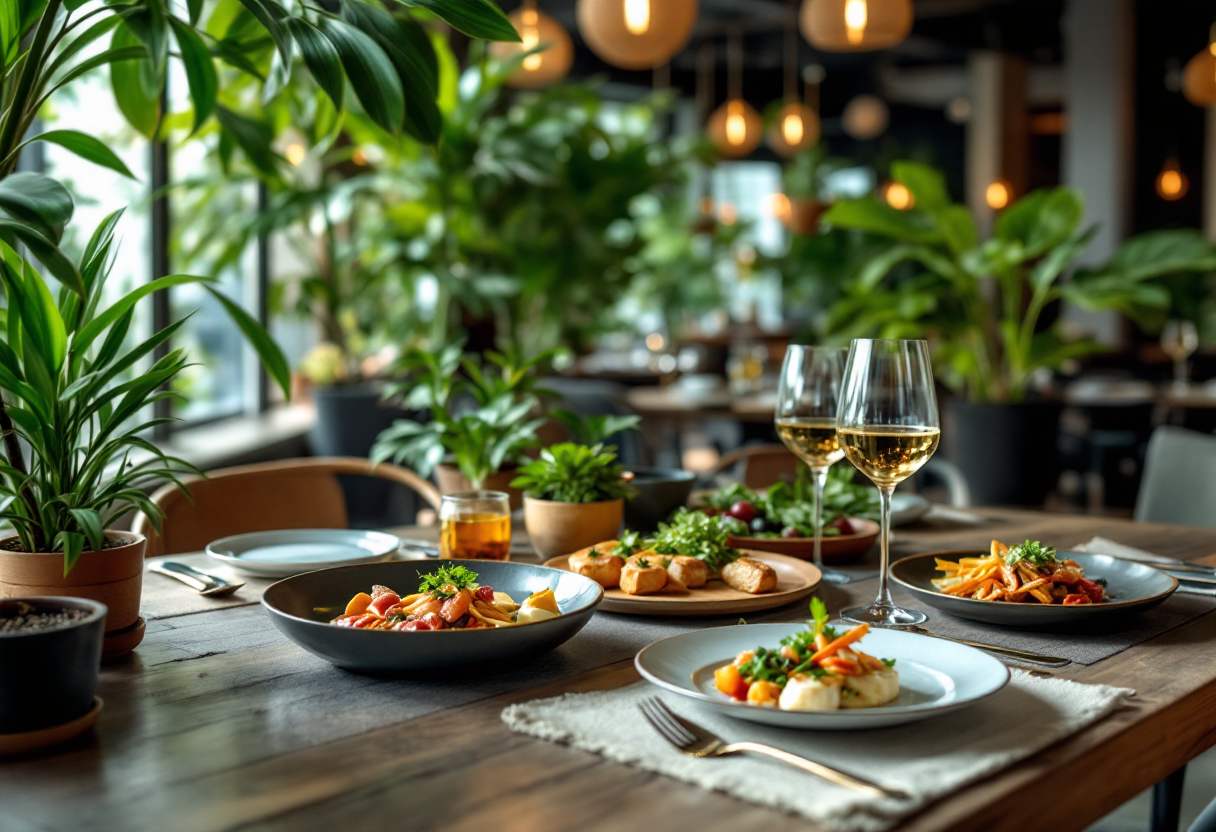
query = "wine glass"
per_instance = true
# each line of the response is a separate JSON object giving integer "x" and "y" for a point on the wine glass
{"x": 888, "y": 428}
{"x": 807, "y": 400}
{"x": 1179, "y": 339}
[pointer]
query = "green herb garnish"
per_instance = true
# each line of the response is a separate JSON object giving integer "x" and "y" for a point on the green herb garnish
{"x": 792, "y": 505}
{"x": 697, "y": 535}
{"x": 642, "y": 563}
{"x": 1033, "y": 552}
{"x": 888, "y": 662}
{"x": 457, "y": 576}
{"x": 629, "y": 543}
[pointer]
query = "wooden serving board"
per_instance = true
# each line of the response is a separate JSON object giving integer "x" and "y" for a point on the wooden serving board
{"x": 796, "y": 579}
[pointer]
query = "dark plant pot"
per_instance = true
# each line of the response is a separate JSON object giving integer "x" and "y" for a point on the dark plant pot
{"x": 804, "y": 216}
{"x": 660, "y": 492}
{"x": 49, "y": 677}
{"x": 1008, "y": 452}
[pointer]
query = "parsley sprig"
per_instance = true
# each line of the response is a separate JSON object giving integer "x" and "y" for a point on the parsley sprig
{"x": 698, "y": 535}
{"x": 1033, "y": 552}
{"x": 456, "y": 576}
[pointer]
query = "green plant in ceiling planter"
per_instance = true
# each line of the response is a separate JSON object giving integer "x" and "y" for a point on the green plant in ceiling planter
{"x": 484, "y": 413}
{"x": 981, "y": 301}
{"x": 78, "y": 394}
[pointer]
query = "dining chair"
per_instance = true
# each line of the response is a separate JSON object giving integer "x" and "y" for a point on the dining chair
{"x": 1179, "y": 483}
{"x": 286, "y": 494}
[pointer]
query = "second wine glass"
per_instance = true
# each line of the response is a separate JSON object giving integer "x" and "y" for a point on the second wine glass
{"x": 888, "y": 428}
{"x": 807, "y": 401}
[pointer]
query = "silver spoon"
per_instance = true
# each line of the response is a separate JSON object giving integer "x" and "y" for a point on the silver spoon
{"x": 209, "y": 585}
{"x": 1018, "y": 655}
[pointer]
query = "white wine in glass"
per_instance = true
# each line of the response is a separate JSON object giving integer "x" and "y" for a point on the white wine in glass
{"x": 807, "y": 401}
{"x": 888, "y": 427}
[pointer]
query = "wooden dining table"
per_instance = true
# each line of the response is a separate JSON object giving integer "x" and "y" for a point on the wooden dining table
{"x": 217, "y": 722}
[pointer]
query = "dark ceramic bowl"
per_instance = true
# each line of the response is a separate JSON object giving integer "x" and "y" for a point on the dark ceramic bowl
{"x": 660, "y": 492}
{"x": 1133, "y": 588}
{"x": 302, "y": 606}
{"x": 49, "y": 677}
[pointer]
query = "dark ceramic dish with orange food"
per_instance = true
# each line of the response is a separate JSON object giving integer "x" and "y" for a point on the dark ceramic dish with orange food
{"x": 305, "y": 607}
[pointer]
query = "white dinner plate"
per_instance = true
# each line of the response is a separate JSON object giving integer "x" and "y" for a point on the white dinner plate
{"x": 907, "y": 508}
{"x": 935, "y": 676}
{"x": 280, "y": 554}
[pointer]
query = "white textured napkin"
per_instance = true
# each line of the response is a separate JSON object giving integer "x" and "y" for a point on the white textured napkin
{"x": 1103, "y": 546}
{"x": 926, "y": 760}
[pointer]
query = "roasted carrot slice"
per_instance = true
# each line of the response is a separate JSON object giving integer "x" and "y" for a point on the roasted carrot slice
{"x": 843, "y": 641}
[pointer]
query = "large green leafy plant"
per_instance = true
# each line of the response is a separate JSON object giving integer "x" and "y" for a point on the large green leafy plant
{"x": 982, "y": 301}
{"x": 78, "y": 395}
{"x": 572, "y": 473}
{"x": 483, "y": 414}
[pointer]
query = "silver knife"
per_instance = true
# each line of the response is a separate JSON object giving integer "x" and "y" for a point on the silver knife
{"x": 205, "y": 584}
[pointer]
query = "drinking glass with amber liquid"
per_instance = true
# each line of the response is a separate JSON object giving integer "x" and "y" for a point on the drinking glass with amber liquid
{"x": 888, "y": 428}
{"x": 475, "y": 525}
{"x": 807, "y": 399}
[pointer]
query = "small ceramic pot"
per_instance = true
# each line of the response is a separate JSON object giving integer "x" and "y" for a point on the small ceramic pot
{"x": 562, "y": 528}
{"x": 450, "y": 480}
{"x": 804, "y": 216}
{"x": 49, "y": 677}
{"x": 113, "y": 577}
{"x": 660, "y": 491}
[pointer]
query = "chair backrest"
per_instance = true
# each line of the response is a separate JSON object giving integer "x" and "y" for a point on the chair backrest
{"x": 288, "y": 494}
{"x": 762, "y": 465}
{"x": 1179, "y": 483}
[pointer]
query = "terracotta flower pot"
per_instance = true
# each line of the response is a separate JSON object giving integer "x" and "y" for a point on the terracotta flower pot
{"x": 112, "y": 576}
{"x": 450, "y": 480}
{"x": 804, "y": 216}
{"x": 561, "y": 528}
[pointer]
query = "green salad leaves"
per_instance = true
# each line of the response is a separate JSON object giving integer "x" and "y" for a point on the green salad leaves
{"x": 1033, "y": 552}
{"x": 456, "y": 576}
{"x": 696, "y": 534}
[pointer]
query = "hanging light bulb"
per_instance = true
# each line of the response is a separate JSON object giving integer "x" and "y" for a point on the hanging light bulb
{"x": 1172, "y": 183}
{"x": 797, "y": 125}
{"x": 735, "y": 127}
{"x": 792, "y": 129}
{"x": 899, "y": 197}
{"x": 536, "y": 29}
{"x": 1199, "y": 76}
{"x": 736, "y": 124}
{"x": 998, "y": 194}
{"x": 636, "y": 34}
{"x": 866, "y": 117}
{"x": 855, "y": 25}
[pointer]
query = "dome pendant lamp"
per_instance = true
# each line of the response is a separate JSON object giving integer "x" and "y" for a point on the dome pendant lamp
{"x": 735, "y": 127}
{"x": 536, "y": 28}
{"x": 797, "y": 125}
{"x": 1199, "y": 77}
{"x": 636, "y": 34}
{"x": 855, "y": 25}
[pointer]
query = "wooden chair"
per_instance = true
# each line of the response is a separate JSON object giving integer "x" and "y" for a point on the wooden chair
{"x": 288, "y": 494}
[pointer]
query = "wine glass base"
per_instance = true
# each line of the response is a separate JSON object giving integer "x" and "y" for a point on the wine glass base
{"x": 832, "y": 576}
{"x": 881, "y": 615}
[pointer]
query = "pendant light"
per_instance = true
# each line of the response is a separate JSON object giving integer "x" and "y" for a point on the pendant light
{"x": 856, "y": 25}
{"x": 536, "y": 28}
{"x": 1172, "y": 183}
{"x": 797, "y": 125}
{"x": 735, "y": 127}
{"x": 636, "y": 34}
{"x": 866, "y": 117}
{"x": 1199, "y": 77}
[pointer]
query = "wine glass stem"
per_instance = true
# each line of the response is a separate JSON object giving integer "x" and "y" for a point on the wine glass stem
{"x": 820, "y": 475}
{"x": 1180, "y": 371}
{"x": 884, "y": 591}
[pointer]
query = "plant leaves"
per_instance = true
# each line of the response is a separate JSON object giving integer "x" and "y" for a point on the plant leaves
{"x": 926, "y": 184}
{"x": 876, "y": 217}
{"x": 1041, "y": 219}
{"x": 372, "y": 75}
{"x": 200, "y": 71}
{"x": 37, "y": 200}
{"x": 476, "y": 18}
{"x": 45, "y": 251}
{"x": 321, "y": 57}
{"x": 252, "y": 137}
{"x": 268, "y": 351}
{"x": 90, "y": 522}
{"x": 141, "y": 110}
{"x": 86, "y": 147}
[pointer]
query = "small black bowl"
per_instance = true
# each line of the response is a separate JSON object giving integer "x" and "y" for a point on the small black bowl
{"x": 49, "y": 677}
{"x": 660, "y": 492}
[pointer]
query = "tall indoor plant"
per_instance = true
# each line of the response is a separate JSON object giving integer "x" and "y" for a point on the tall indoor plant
{"x": 981, "y": 303}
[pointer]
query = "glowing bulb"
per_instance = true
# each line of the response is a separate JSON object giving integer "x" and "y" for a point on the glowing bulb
{"x": 736, "y": 124}
{"x": 295, "y": 154}
{"x": 359, "y": 157}
{"x": 728, "y": 214}
{"x": 655, "y": 342}
{"x": 779, "y": 205}
{"x": 997, "y": 195}
{"x": 856, "y": 16}
{"x": 637, "y": 16}
{"x": 792, "y": 129}
{"x": 899, "y": 197}
{"x": 1172, "y": 183}
{"x": 530, "y": 38}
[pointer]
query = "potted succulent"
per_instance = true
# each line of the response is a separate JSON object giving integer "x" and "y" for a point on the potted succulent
{"x": 484, "y": 414}
{"x": 980, "y": 302}
{"x": 574, "y": 497}
{"x": 76, "y": 396}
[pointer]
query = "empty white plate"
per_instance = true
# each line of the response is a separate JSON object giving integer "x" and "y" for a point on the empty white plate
{"x": 279, "y": 554}
{"x": 935, "y": 676}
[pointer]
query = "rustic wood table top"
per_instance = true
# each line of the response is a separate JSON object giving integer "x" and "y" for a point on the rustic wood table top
{"x": 218, "y": 722}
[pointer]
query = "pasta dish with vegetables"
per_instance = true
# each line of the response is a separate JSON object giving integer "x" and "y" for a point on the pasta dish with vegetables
{"x": 1027, "y": 573}
{"x": 816, "y": 669}
{"x": 447, "y": 599}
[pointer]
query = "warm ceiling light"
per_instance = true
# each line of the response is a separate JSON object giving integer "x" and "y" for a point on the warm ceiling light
{"x": 899, "y": 197}
{"x": 536, "y": 29}
{"x": 998, "y": 194}
{"x": 637, "y": 16}
{"x": 295, "y": 154}
{"x": 655, "y": 342}
{"x": 796, "y": 129}
{"x": 735, "y": 128}
{"x": 779, "y": 206}
{"x": 1199, "y": 77}
{"x": 866, "y": 117}
{"x": 855, "y": 25}
{"x": 1172, "y": 183}
{"x": 728, "y": 214}
{"x": 636, "y": 34}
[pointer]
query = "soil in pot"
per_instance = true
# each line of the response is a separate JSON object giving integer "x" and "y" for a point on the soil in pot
{"x": 50, "y": 654}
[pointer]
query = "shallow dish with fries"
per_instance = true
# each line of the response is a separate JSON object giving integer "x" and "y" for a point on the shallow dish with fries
{"x": 935, "y": 676}
{"x": 1131, "y": 588}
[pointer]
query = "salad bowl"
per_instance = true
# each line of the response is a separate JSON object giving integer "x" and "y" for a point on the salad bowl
{"x": 302, "y": 606}
{"x": 841, "y": 548}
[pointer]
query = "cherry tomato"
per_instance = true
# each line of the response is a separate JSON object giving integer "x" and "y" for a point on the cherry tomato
{"x": 743, "y": 510}
{"x": 485, "y": 593}
{"x": 843, "y": 525}
{"x": 790, "y": 531}
{"x": 383, "y": 603}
